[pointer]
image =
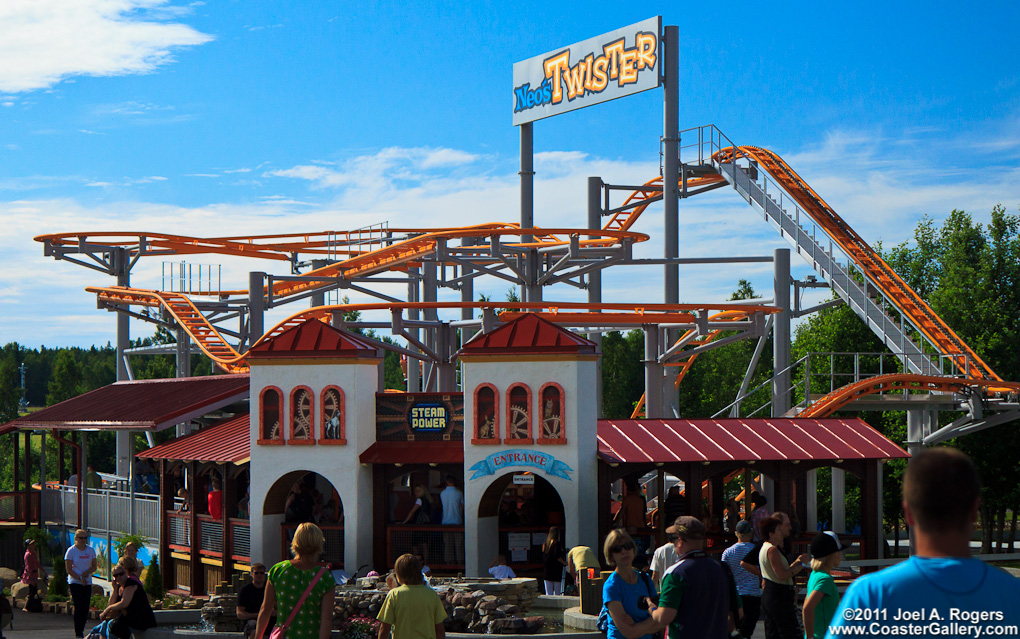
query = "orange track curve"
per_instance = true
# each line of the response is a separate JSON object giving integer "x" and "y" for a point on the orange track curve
{"x": 830, "y": 403}
{"x": 225, "y": 356}
{"x": 904, "y": 297}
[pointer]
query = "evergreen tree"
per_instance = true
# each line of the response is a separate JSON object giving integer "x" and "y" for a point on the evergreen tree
{"x": 67, "y": 381}
{"x": 10, "y": 389}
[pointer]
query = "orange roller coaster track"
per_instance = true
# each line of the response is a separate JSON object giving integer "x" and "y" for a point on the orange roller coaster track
{"x": 830, "y": 403}
{"x": 226, "y": 356}
{"x": 878, "y": 271}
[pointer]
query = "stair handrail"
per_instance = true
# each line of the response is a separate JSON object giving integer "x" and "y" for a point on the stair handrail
{"x": 711, "y": 141}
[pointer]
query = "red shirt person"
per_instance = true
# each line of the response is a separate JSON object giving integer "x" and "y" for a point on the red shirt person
{"x": 215, "y": 500}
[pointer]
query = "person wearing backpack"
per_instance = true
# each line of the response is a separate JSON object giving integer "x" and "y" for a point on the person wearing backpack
{"x": 626, "y": 593}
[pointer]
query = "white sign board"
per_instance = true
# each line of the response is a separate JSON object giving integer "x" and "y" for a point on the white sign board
{"x": 606, "y": 67}
{"x": 524, "y": 480}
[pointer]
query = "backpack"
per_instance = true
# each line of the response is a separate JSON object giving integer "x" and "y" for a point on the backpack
{"x": 602, "y": 623}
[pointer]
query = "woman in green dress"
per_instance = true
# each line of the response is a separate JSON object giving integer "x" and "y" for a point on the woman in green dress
{"x": 289, "y": 579}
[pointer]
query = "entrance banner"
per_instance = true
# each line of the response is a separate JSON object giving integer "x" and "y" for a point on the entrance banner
{"x": 606, "y": 67}
{"x": 518, "y": 457}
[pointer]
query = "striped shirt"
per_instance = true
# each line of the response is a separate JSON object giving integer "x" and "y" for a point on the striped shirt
{"x": 747, "y": 584}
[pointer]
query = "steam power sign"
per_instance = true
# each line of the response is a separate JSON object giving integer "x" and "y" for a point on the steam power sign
{"x": 428, "y": 417}
{"x": 606, "y": 67}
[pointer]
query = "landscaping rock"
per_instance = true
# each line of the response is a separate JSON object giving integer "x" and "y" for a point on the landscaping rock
{"x": 8, "y": 577}
{"x": 19, "y": 590}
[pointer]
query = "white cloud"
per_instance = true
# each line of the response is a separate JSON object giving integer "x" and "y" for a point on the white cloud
{"x": 45, "y": 41}
{"x": 446, "y": 157}
{"x": 381, "y": 170}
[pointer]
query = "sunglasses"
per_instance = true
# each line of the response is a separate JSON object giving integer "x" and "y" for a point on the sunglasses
{"x": 119, "y": 574}
{"x": 620, "y": 548}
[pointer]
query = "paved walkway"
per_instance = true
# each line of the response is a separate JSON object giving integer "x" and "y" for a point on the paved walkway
{"x": 41, "y": 625}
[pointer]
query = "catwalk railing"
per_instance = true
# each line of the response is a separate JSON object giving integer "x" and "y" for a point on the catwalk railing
{"x": 108, "y": 510}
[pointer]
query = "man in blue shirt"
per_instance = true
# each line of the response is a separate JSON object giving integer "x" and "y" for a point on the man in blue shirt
{"x": 940, "y": 591}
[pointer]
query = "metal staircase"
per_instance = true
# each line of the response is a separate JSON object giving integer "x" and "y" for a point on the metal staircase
{"x": 887, "y": 305}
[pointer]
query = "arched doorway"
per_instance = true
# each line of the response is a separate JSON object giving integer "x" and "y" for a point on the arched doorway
{"x": 303, "y": 496}
{"x": 526, "y": 505}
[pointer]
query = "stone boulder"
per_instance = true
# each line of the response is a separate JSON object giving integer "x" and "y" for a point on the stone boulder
{"x": 19, "y": 590}
{"x": 8, "y": 577}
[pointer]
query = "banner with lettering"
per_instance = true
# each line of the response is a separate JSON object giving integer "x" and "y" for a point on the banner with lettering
{"x": 519, "y": 457}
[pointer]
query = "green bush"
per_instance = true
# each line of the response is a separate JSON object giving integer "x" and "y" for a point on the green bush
{"x": 55, "y": 598}
{"x": 121, "y": 542}
{"x": 42, "y": 542}
{"x": 153, "y": 579}
{"x": 58, "y": 581}
{"x": 99, "y": 602}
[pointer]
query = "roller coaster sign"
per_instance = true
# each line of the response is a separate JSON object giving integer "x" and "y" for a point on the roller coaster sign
{"x": 606, "y": 67}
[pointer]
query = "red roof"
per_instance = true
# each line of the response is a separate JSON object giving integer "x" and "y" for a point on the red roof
{"x": 696, "y": 440}
{"x": 152, "y": 404}
{"x": 527, "y": 334}
{"x": 313, "y": 338}
{"x": 444, "y": 452}
{"x": 227, "y": 441}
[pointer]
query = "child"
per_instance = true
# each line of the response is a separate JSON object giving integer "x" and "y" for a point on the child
{"x": 500, "y": 570}
{"x": 822, "y": 598}
{"x": 413, "y": 609}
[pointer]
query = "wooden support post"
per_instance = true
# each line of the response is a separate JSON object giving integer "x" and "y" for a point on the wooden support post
{"x": 660, "y": 487}
{"x": 17, "y": 456}
{"x": 166, "y": 504}
{"x": 197, "y": 568}
{"x": 229, "y": 502}
{"x": 692, "y": 489}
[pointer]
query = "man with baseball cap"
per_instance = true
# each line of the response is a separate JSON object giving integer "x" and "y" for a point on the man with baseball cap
{"x": 664, "y": 557}
{"x": 748, "y": 584}
{"x": 697, "y": 591}
{"x": 941, "y": 590}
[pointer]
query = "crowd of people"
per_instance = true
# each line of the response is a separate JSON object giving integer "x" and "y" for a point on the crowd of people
{"x": 687, "y": 592}
{"x": 691, "y": 594}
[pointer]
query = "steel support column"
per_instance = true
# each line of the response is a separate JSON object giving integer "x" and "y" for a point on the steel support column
{"x": 671, "y": 161}
{"x": 595, "y": 279}
{"x": 530, "y": 291}
{"x": 318, "y": 297}
{"x": 781, "y": 333}
{"x": 430, "y": 292}
{"x": 838, "y": 500}
{"x": 256, "y": 306}
{"x": 653, "y": 373}
{"x": 413, "y": 365}
{"x": 811, "y": 484}
{"x": 121, "y": 259}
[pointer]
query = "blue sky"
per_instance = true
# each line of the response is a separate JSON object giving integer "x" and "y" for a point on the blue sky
{"x": 260, "y": 117}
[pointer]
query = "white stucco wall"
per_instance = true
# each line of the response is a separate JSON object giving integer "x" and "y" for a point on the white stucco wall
{"x": 578, "y": 493}
{"x": 336, "y": 463}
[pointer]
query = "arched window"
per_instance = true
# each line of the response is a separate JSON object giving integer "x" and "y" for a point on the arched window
{"x": 551, "y": 415}
{"x": 302, "y": 416}
{"x": 486, "y": 415}
{"x": 270, "y": 411}
{"x": 332, "y": 426}
{"x": 518, "y": 415}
